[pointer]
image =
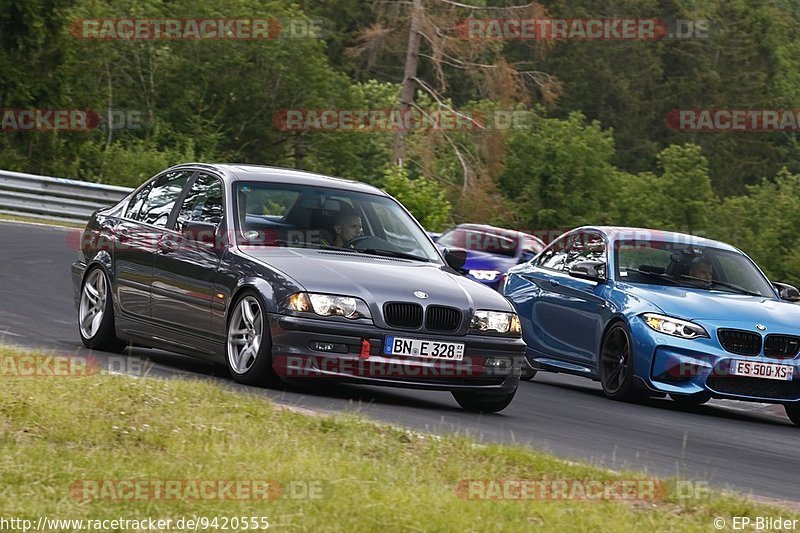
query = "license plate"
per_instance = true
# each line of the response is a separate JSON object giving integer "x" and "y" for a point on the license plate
{"x": 450, "y": 351}
{"x": 762, "y": 370}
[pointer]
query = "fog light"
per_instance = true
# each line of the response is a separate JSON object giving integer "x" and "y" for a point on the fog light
{"x": 498, "y": 362}
{"x": 328, "y": 347}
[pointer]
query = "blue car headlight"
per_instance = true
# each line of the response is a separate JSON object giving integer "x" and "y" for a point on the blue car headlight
{"x": 674, "y": 326}
{"x": 485, "y": 275}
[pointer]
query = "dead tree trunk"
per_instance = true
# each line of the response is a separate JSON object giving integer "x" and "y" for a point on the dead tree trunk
{"x": 409, "y": 84}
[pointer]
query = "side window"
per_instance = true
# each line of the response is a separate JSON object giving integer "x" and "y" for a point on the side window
{"x": 136, "y": 203}
{"x": 585, "y": 246}
{"x": 556, "y": 255}
{"x": 162, "y": 197}
{"x": 203, "y": 203}
{"x": 574, "y": 248}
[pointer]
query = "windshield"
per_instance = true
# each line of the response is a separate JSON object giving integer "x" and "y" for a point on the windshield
{"x": 276, "y": 214}
{"x": 689, "y": 265}
{"x": 481, "y": 240}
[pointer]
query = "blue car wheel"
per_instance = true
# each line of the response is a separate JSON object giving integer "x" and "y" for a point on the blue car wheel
{"x": 616, "y": 364}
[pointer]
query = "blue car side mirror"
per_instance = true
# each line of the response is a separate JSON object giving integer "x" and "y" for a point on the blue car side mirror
{"x": 787, "y": 292}
{"x": 589, "y": 270}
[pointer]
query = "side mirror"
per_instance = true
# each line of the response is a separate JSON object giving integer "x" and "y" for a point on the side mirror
{"x": 200, "y": 231}
{"x": 787, "y": 292}
{"x": 455, "y": 258}
{"x": 589, "y": 270}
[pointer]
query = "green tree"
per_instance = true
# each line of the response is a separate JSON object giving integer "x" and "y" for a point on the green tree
{"x": 423, "y": 197}
{"x": 686, "y": 188}
{"x": 558, "y": 173}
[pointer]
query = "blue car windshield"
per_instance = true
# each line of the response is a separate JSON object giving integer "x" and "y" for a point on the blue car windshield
{"x": 298, "y": 216}
{"x": 688, "y": 265}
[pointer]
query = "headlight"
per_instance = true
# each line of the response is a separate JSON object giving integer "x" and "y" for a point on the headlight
{"x": 674, "y": 326}
{"x": 496, "y": 322}
{"x": 486, "y": 275}
{"x": 328, "y": 305}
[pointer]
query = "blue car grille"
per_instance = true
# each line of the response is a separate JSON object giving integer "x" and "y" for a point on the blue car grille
{"x": 755, "y": 387}
{"x": 444, "y": 319}
{"x": 781, "y": 346}
{"x": 740, "y": 342}
{"x": 403, "y": 315}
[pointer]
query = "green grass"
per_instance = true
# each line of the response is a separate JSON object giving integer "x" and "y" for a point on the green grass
{"x": 56, "y": 430}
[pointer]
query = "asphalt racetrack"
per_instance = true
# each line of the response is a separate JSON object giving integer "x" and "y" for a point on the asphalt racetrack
{"x": 750, "y": 448}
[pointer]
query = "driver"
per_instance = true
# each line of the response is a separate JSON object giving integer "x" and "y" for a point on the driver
{"x": 346, "y": 227}
{"x": 701, "y": 268}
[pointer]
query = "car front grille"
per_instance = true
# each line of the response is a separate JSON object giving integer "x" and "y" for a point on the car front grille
{"x": 781, "y": 346}
{"x": 755, "y": 387}
{"x": 403, "y": 315}
{"x": 443, "y": 319}
{"x": 740, "y": 342}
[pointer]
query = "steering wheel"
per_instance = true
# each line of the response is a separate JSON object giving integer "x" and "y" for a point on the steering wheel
{"x": 355, "y": 240}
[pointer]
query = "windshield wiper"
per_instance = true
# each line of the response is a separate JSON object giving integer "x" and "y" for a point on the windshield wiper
{"x": 392, "y": 253}
{"x": 727, "y": 285}
{"x": 661, "y": 277}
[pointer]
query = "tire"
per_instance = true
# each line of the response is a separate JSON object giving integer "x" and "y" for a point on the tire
{"x": 616, "y": 365}
{"x": 793, "y": 412}
{"x": 96, "y": 313}
{"x": 248, "y": 345}
{"x": 690, "y": 400}
{"x": 480, "y": 402}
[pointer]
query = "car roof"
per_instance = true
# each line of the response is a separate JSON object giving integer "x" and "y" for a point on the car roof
{"x": 232, "y": 172}
{"x": 615, "y": 233}
{"x": 505, "y": 232}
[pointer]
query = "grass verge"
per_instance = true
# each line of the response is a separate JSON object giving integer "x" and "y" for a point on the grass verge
{"x": 44, "y": 221}
{"x": 363, "y": 476}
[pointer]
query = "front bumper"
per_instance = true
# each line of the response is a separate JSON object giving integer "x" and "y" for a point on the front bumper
{"x": 360, "y": 358}
{"x": 677, "y": 366}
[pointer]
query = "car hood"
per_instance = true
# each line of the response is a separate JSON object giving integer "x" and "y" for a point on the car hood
{"x": 699, "y": 304}
{"x": 377, "y": 280}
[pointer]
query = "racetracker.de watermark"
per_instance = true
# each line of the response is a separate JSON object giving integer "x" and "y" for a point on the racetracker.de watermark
{"x": 35, "y": 366}
{"x": 366, "y": 361}
{"x": 199, "y": 29}
{"x": 48, "y": 366}
{"x": 77, "y": 120}
{"x": 389, "y": 120}
{"x": 126, "y": 490}
{"x": 582, "y": 29}
{"x": 562, "y": 489}
{"x": 733, "y": 120}
{"x": 582, "y": 490}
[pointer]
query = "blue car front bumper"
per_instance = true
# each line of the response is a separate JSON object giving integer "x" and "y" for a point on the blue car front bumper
{"x": 673, "y": 365}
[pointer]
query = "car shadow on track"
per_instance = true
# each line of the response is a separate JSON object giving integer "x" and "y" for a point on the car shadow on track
{"x": 592, "y": 389}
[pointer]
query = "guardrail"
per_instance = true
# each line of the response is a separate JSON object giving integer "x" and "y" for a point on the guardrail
{"x": 57, "y": 199}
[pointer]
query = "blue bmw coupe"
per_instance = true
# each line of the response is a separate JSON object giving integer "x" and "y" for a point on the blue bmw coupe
{"x": 653, "y": 312}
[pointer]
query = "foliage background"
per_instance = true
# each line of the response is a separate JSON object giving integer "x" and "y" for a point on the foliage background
{"x": 595, "y": 147}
